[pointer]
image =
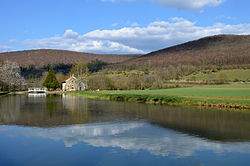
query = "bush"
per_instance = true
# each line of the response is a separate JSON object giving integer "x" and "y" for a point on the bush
{"x": 100, "y": 81}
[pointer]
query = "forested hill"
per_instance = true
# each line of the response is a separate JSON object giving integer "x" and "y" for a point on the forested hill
{"x": 43, "y": 57}
{"x": 213, "y": 50}
{"x": 217, "y": 50}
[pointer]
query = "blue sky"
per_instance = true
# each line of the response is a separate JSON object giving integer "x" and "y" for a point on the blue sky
{"x": 116, "y": 26}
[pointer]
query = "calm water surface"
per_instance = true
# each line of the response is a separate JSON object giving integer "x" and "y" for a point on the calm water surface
{"x": 70, "y": 130}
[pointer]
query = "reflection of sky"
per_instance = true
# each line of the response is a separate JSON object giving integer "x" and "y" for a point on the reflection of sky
{"x": 133, "y": 136}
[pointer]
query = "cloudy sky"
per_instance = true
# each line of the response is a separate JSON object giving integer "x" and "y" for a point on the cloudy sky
{"x": 116, "y": 26}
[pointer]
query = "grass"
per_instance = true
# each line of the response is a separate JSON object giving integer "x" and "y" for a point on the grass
{"x": 231, "y": 75}
{"x": 3, "y": 93}
{"x": 227, "y": 96}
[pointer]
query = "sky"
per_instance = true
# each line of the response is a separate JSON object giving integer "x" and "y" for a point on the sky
{"x": 116, "y": 26}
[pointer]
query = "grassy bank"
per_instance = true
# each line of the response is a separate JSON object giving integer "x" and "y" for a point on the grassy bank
{"x": 3, "y": 93}
{"x": 235, "y": 96}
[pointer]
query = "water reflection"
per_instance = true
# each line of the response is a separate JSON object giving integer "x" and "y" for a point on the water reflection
{"x": 133, "y": 136}
{"x": 53, "y": 111}
{"x": 71, "y": 130}
{"x": 36, "y": 95}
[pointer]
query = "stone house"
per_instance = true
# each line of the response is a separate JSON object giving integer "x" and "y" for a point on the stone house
{"x": 73, "y": 84}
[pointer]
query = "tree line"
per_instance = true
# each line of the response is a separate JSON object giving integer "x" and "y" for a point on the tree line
{"x": 99, "y": 75}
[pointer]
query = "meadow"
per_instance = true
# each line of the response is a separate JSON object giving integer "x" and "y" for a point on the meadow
{"x": 229, "y": 75}
{"x": 235, "y": 95}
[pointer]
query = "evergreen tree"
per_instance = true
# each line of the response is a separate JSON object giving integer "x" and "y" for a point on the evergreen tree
{"x": 51, "y": 82}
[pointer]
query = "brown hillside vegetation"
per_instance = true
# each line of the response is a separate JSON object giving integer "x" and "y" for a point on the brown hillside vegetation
{"x": 217, "y": 50}
{"x": 44, "y": 57}
{"x": 214, "y": 50}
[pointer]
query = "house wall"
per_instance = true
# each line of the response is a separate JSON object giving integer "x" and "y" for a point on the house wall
{"x": 72, "y": 84}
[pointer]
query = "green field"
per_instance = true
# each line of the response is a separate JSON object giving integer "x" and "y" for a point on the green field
{"x": 226, "y": 95}
{"x": 230, "y": 75}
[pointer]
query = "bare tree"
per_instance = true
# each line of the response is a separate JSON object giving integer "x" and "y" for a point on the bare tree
{"x": 10, "y": 76}
{"x": 80, "y": 71}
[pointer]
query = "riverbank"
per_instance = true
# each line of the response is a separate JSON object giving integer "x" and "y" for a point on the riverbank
{"x": 26, "y": 92}
{"x": 3, "y": 93}
{"x": 232, "y": 96}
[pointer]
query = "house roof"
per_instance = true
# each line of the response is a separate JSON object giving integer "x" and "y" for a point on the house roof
{"x": 69, "y": 78}
{"x": 73, "y": 77}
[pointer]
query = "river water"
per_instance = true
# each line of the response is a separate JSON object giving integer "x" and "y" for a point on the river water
{"x": 69, "y": 130}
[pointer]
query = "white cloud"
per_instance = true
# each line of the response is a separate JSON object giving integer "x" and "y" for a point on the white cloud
{"x": 154, "y": 36}
{"x": 163, "y": 34}
{"x": 223, "y": 17}
{"x": 69, "y": 33}
{"x": 114, "y": 24}
{"x": 71, "y": 40}
{"x": 4, "y": 48}
{"x": 134, "y": 24}
{"x": 196, "y": 5}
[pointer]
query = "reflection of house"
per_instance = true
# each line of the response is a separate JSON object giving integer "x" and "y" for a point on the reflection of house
{"x": 75, "y": 104}
{"x": 73, "y": 84}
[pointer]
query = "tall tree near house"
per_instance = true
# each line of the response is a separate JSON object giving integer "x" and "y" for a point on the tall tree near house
{"x": 80, "y": 70}
{"x": 51, "y": 81}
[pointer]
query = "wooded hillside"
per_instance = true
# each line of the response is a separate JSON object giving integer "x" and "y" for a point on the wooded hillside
{"x": 43, "y": 57}
{"x": 213, "y": 50}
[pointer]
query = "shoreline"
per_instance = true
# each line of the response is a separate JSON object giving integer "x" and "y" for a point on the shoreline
{"x": 4, "y": 93}
{"x": 171, "y": 100}
{"x": 163, "y": 100}
{"x": 26, "y": 92}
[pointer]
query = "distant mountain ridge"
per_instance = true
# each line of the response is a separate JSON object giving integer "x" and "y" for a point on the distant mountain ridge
{"x": 212, "y": 50}
{"x": 42, "y": 57}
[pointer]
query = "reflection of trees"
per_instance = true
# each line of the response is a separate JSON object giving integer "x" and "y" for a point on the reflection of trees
{"x": 39, "y": 110}
{"x": 52, "y": 111}
{"x": 51, "y": 105}
{"x": 211, "y": 124}
{"x": 9, "y": 108}
{"x": 216, "y": 125}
